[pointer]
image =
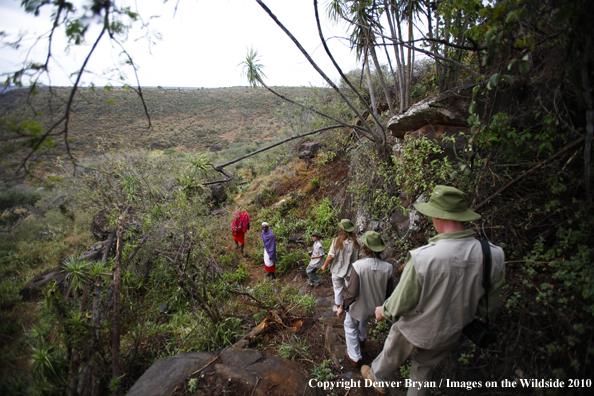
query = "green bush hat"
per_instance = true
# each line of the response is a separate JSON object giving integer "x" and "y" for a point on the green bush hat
{"x": 316, "y": 234}
{"x": 447, "y": 203}
{"x": 346, "y": 225}
{"x": 373, "y": 241}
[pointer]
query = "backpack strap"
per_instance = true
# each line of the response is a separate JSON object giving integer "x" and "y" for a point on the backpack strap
{"x": 487, "y": 261}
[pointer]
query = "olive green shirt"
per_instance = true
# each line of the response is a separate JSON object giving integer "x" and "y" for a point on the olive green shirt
{"x": 408, "y": 291}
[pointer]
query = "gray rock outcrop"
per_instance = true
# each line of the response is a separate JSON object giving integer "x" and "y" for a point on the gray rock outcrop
{"x": 218, "y": 192}
{"x": 449, "y": 109}
{"x": 167, "y": 373}
{"x": 235, "y": 371}
{"x": 308, "y": 149}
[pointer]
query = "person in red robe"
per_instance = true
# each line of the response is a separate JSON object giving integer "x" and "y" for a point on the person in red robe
{"x": 240, "y": 225}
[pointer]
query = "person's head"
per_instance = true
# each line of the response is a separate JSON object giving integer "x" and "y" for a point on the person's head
{"x": 447, "y": 208}
{"x": 315, "y": 236}
{"x": 265, "y": 226}
{"x": 346, "y": 232}
{"x": 373, "y": 245}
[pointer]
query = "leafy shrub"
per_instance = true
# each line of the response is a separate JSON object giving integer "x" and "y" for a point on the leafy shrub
{"x": 295, "y": 348}
{"x": 241, "y": 275}
{"x": 323, "y": 218}
{"x": 15, "y": 204}
{"x": 286, "y": 261}
{"x": 323, "y": 371}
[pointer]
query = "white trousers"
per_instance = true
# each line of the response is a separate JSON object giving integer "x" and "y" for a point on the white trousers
{"x": 354, "y": 332}
{"x": 339, "y": 284}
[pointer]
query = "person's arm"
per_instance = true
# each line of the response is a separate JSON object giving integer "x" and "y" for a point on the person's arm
{"x": 404, "y": 298}
{"x": 352, "y": 291}
{"x": 330, "y": 256}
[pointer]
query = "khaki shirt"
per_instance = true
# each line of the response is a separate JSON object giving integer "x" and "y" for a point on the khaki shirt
{"x": 440, "y": 290}
{"x": 341, "y": 265}
{"x": 369, "y": 283}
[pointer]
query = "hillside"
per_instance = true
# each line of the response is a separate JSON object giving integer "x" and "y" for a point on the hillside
{"x": 184, "y": 120}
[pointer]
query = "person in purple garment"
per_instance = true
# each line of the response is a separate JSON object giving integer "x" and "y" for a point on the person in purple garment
{"x": 269, "y": 250}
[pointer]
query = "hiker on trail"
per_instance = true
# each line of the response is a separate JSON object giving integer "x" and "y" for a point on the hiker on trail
{"x": 439, "y": 293}
{"x": 316, "y": 254}
{"x": 269, "y": 250}
{"x": 240, "y": 225}
{"x": 343, "y": 253}
{"x": 371, "y": 283}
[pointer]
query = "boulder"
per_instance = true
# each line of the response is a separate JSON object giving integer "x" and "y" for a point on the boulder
{"x": 235, "y": 371}
{"x": 449, "y": 109}
{"x": 219, "y": 192}
{"x": 308, "y": 149}
{"x": 166, "y": 374}
{"x": 334, "y": 339}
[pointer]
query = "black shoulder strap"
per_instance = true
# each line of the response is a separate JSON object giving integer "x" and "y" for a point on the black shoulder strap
{"x": 486, "y": 272}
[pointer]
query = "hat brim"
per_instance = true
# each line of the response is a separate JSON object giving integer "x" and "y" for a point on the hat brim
{"x": 431, "y": 211}
{"x": 347, "y": 229}
{"x": 376, "y": 249}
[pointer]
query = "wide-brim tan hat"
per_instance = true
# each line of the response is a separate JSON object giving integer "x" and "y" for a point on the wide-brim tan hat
{"x": 346, "y": 225}
{"x": 373, "y": 241}
{"x": 447, "y": 203}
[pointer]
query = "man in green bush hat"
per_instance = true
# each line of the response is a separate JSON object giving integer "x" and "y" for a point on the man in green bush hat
{"x": 439, "y": 293}
{"x": 370, "y": 285}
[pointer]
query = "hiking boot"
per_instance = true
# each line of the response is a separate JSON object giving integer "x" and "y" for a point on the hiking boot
{"x": 366, "y": 373}
{"x": 356, "y": 364}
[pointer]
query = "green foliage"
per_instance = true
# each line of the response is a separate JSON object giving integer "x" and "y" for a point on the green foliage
{"x": 379, "y": 331}
{"x": 77, "y": 272}
{"x": 379, "y": 185}
{"x": 323, "y": 218}
{"x": 405, "y": 369}
{"x": 287, "y": 260}
{"x": 293, "y": 349}
{"x": 15, "y": 204}
{"x": 241, "y": 275}
{"x": 323, "y": 372}
{"x": 193, "y": 176}
{"x": 517, "y": 145}
{"x": 192, "y": 384}
{"x": 252, "y": 69}
{"x": 48, "y": 364}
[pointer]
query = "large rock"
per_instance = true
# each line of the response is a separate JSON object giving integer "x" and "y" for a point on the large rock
{"x": 235, "y": 371}
{"x": 219, "y": 192}
{"x": 449, "y": 109}
{"x": 308, "y": 149}
{"x": 166, "y": 374}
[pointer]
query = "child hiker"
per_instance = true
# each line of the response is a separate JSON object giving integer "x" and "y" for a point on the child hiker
{"x": 316, "y": 254}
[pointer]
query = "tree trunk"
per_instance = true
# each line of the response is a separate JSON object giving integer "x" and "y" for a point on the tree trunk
{"x": 116, "y": 368}
{"x": 382, "y": 81}
{"x": 409, "y": 65}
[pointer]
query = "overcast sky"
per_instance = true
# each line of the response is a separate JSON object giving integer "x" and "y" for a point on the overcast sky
{"x": 201, "y": 45}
